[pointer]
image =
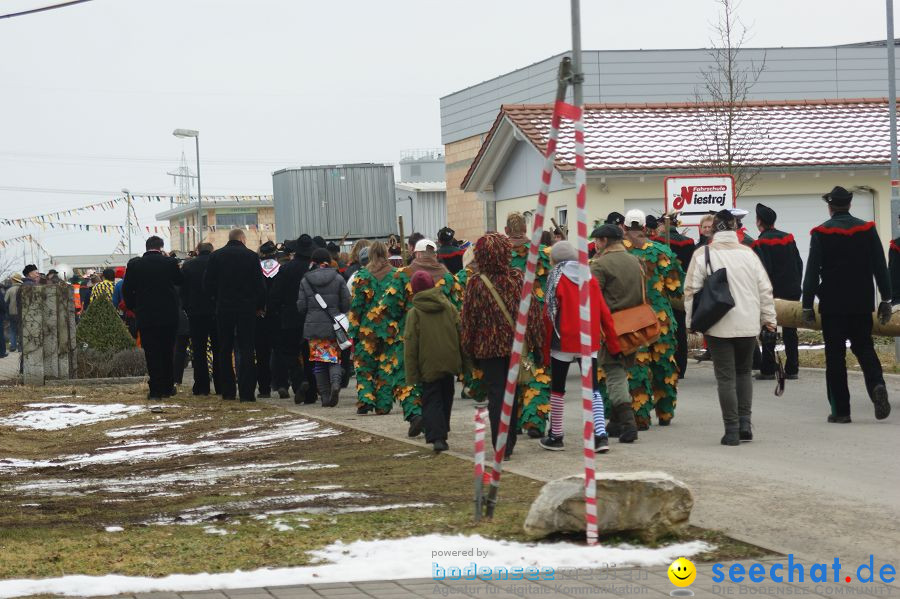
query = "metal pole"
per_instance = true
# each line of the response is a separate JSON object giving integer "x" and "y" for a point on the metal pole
{"x": 199, "y": 194}
{"x": 577, "y": 75}
{"x": 892, "y": 108}
{"x": 128, "y": 221}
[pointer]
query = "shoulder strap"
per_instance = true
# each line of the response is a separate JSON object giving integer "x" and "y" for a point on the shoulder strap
{"x": 708, "y": 264}
{"x": 498, "y": 299}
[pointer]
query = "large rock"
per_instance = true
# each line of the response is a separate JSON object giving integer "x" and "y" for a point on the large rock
{"x": 649, "y": 504}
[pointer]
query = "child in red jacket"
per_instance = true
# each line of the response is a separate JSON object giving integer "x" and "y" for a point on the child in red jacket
{"x": 562, "y": 322}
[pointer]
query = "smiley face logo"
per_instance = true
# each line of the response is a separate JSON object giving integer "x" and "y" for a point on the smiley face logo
{"x": 682, "y": 572}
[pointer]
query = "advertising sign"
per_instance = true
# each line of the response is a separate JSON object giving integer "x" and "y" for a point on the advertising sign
{"x": 694, "y": 196}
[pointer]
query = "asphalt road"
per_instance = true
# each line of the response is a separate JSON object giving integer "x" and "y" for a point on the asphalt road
{"x": 803, "y": 486}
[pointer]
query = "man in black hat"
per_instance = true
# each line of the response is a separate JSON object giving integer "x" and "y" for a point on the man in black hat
{"x": 845, "y": 254}
{"x": 780, "y": 257}
{"x": 291, "y": 350}
{"x": 448, "y": 252}
{"x": 683, "y": 247}
{"x": 620, "y": 275}
{"x": 268, "y": 325}
{"x": 201, "y": 313}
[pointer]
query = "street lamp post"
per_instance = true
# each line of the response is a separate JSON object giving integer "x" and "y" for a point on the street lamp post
{"x": 196, "y": 135}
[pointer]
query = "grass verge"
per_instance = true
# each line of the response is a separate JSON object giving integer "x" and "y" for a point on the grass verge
{"x": 226, "y": 490}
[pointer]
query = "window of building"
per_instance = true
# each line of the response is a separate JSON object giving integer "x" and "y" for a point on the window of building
{"x": 562, "y": 217}
{"x": 236, "y": 219}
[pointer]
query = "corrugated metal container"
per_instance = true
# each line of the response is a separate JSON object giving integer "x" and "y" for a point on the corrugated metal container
{"x": 424, "y": 210}
{"x": 356, "y": 200}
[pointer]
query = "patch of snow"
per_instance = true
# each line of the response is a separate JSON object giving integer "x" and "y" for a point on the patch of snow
{"x": 326, "y": 487}
{"x": 281, "y": 526}
{"x": 198, "y": 476}
{"x": 143, "y": 429}
{"x": 405, "y": 454}
{"x": 296, "y": 430}
{"x": 57, "y": 416}
{"x": 30, "y": 505}
{"x": 113, "y": 529}
{"x": 64, "y": 397}
{"x": 364, "y": 561}
{"x": 212, "y": 530}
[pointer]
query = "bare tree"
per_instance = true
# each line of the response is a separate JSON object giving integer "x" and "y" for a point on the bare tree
{"x": 730, "y": 136}
{"x": 9, "y": 263}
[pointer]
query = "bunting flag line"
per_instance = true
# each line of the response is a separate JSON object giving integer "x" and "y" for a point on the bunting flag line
{"x": 111, "y": 204}
{"x": 28, "y": 238}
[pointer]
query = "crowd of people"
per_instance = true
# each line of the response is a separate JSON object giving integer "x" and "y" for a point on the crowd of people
{"x": 300, "y": 318}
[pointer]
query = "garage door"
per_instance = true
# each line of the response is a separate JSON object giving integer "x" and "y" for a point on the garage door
{"x": 797, "y": 214}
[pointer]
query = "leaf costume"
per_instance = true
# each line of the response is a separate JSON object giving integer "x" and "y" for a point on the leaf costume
{"x": 374, "y": 318}
{"x": 653, "y": 379}
{"x": 534, "y": 399}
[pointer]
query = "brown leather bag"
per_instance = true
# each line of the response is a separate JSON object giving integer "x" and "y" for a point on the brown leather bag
{"x": 636, "y": 326}
{"x": 526, "y": 364}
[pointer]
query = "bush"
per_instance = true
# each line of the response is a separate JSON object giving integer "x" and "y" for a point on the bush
{"x": 128, "y": 362}
{"x": 101, "y": 329}
{"x": 94, "y": 364}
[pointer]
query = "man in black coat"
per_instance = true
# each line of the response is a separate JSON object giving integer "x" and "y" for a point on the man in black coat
{"x": 149, "y": 291}
{"x": 894, "y": 269}
{"x": 267, "y": 326}
{"x": 200, "y": 309}
{"x": 292, "y": 350}
{"x": 780, "y": 257}
{"x": 233, "y": 278}
{"x": 845, "y": 255}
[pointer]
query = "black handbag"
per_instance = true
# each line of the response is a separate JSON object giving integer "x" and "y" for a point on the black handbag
{"x": 713, "y": 300}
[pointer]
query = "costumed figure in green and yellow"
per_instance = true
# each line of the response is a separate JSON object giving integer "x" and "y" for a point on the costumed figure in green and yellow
{"x": 655, "y": 366}
{"x": 410, "y": 396}
{"x": 375, "y": 317}
{"x": 535, "y": 399}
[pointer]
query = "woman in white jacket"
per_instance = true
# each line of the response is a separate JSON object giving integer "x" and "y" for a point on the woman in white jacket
{"x": 732, "y": 340}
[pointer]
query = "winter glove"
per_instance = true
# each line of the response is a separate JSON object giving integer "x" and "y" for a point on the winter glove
{"x": 809, "y": 316}
{"x": 884, "y": 312}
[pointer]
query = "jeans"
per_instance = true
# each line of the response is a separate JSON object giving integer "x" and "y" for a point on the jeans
{"x": 495, "y": 371}
{"x": 236, "y": 329}
{"x": 837, "y": 329}
{"x": 437, "y": 402}
{"x": 791, "y": 354}
{"x": 159, "y": 352}
{"x": 328, "y": 379}
{"x": 732, "y": 362}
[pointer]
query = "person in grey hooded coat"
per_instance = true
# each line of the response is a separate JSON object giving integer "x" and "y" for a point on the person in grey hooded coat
{"x": 318, "y": 323}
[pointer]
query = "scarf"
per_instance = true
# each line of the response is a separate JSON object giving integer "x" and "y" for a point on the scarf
{"x": 270, "y": 267}
{"x": 429, "y": 263}
{"x": 379, "y": 268}
{"x": 571, "y": 269}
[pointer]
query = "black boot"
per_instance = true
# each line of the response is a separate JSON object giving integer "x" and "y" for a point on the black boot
{"x": 613, "y": 427}
{"x": 746, "y": 429}
{"x": 732, "y": 437}
{"x": 625, "y": 417}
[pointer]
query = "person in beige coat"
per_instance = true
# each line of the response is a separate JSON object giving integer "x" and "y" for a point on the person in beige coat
{"x": 732, "y": 339}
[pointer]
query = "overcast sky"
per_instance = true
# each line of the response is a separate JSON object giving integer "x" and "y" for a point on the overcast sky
{"x": 91, "y": 93}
